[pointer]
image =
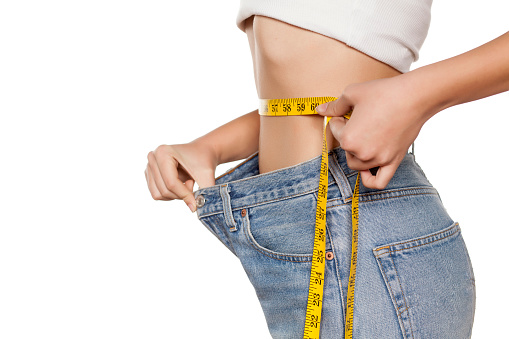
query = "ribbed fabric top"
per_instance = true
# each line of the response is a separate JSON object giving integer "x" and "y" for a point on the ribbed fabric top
{"x": 391, "y": 31}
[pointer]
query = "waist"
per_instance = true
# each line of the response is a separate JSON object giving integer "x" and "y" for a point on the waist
{"x": 290, "y": 62}
{"x": 287, "y": 141}
{"x": 243, "y": 186}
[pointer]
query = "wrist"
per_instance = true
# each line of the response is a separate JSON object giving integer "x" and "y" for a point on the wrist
{"x": 425, "y": 95}
{"x": 208, "y": 150}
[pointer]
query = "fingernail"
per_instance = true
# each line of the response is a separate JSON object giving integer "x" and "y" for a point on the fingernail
{"x": 322, "y": 108}
{"x": 191, "y": 207}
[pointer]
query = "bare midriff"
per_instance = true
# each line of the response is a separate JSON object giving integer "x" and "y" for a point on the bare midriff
{"x": 291, "y": 62}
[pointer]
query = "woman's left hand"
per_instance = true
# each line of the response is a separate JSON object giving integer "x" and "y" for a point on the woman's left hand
{"x": 386, "y": 119}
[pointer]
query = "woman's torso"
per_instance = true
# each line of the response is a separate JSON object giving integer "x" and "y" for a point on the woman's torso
{"x": 291, "y": 62}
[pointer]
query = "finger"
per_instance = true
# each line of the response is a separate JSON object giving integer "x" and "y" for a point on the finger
{"x": 382, "y": 177}
{"x": 154, "y": 191}
{"x": 157, "y": 179}
{"x": 165, "y": 175}
{"x": 167, "y": 193}
{"x": 336, "y": 108}
{"x": 336, "y": 125}
{"x": 357, "y": 164}
{"x": 189, "y": 184}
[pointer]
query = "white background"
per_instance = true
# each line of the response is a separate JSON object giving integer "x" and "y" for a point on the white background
{"x": 88, "y": 88}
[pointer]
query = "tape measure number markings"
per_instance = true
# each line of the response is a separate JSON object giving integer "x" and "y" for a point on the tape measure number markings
{"x": 306, "y": 106}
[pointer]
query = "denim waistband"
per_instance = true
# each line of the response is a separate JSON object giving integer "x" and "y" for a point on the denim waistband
{"x": 243, "y": 186}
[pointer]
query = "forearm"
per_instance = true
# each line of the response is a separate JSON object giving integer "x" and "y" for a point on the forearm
{"x": 234, "y": 140}
{"x": 473, "y": 75}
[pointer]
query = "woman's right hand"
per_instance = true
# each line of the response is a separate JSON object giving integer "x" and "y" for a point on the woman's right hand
{"x": 172, "y": 171}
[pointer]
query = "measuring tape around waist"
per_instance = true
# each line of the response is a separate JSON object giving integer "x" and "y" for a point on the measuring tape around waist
{"x": 306, "y": 106}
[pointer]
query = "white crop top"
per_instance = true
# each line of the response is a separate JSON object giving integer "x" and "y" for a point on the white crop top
{"x": 391, "y": 31}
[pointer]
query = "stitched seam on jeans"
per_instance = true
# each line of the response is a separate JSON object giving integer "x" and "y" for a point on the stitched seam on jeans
{"x": 218, "y": 238}
{"x": 342, "y": 181}
{"x": 276, "y": 200}
{"x": 396, "y": 190}
{"x": 272, "y": 254}
{"x": 388, "y": 284}
{"x": 336, "y": 265}
{"x": 351, "y": 174}
{"x": 209, "y": 214}
{"x": 407, "y": 248}
{"x": 280, "y": 256}
{"x": 368, "y": 199}
{"x": 348, "y": 200}
{"x": 403, "y": 310}
{"x": 228, "y": 213}
{"x": 395, "y": 197}
{"x": 418, "y": 239}
{"x": 267, "y": 173}
{"x": 261, "y": 203}
{"x": 403, "y": 294}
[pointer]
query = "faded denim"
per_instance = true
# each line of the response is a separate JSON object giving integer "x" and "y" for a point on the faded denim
{"x": 414, "y": 275}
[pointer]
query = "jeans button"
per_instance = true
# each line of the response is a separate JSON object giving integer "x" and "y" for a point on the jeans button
{"x": 200, "y": 201}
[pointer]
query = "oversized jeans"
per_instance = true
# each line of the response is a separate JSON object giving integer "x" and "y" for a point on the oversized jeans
{"x": 414, "y": 276}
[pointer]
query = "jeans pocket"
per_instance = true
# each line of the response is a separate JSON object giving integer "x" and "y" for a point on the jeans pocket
{"x": 277, "y": 259}
{"x": 283, "y": 230}
{"x": 431, "y": 284}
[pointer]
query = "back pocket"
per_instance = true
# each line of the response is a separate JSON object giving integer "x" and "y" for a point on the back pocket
{"x": 431, "y": 284}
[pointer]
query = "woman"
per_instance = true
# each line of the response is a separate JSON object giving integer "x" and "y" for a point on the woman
{"x": 413, "y": 265}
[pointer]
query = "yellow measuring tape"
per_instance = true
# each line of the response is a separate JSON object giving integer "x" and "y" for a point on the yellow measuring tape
{"x": 306, "y": 106}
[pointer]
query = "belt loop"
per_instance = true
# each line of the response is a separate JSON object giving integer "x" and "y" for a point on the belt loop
{"x": 227, "y": 208}
{"x": 340, "y": 177}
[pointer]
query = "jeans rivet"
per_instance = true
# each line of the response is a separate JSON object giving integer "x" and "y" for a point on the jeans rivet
{"x": 329, "y": 255}
{"x": 244, "y": 212}
{"x": 200, "y": 201}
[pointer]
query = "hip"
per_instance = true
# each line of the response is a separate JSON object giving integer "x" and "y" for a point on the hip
{"x": 412, "y": 262}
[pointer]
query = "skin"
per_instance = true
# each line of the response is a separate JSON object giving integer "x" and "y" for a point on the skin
{"x": 290, "y": 62}
{"x": 389, "y": 108}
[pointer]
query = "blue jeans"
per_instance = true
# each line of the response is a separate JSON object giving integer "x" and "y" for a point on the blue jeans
{"x": 414, "y": 276}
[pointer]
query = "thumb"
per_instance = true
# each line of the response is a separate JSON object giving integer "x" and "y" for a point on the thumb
{"x": 189, "y": 198}
{"x": 336, "y": 108}
{"x": 203, "y": 180}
